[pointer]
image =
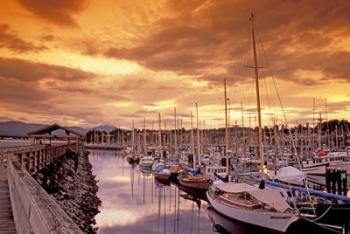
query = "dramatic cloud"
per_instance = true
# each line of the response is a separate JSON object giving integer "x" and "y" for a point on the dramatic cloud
{"x": 24, "y": 70}
{"x": 132, "y": 59}
{"x": 58, "y": 12}
{"x": 10, "y": 40}
{"x": 207, "y": 35}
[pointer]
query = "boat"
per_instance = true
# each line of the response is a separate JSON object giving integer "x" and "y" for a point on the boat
{"x": 194, "y": 181}
{"x": 146, "y": 162}
{"x": 161, "y": 172}
{"x": 318, "y": 164}
{"x": 249, "y": 204}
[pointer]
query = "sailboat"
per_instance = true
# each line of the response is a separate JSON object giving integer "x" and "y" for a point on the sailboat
{"x": 196, "y": 179}
{"x": 132, "y": 156}
{"x": 146, "y": 161}
{"x": 246, "y": 203}
{"x": 161, "y": 171}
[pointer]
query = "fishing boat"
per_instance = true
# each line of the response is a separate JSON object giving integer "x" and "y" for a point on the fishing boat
{"x": 194, "y": 181}
{"x": 193, "y": 178}
{"x": 249, "y": 204}
{"x": 161, "y": 171}
{"x": 318, "y": 164}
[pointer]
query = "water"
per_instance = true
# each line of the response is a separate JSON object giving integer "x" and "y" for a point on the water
{"x": 133, "y": 203}
{"x": 12, "y": 143}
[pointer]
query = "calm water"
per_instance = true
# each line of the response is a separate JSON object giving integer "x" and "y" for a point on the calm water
{"x": 12, "y": 143}
{"x": 133, "y": 203}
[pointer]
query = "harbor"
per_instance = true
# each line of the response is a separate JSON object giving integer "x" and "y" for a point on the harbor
{"x": 178, "y": 117}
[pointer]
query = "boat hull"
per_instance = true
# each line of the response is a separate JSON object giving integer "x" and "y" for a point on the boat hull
{"x": 315, "y": 169}
{"x": 201, "y": 184}
{"x": 162, "y": 176}
{"x": 274, "y": 221}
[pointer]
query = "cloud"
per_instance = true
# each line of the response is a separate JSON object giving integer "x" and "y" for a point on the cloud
{"x": 203, "y": 36}
{"x": 10, "y": 40}
{"x": 57, "y": 12}
{"x": 25, "y": 70}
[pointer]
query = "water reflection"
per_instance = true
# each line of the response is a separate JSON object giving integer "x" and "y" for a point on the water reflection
{"x": 132, "y": 202}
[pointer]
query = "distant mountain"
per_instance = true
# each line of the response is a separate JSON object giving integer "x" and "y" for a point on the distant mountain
{"x": 16, "y": 128}
{"x": 106, "y": 128}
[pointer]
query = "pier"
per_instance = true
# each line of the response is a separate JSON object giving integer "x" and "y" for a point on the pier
{"x": 25, "y": 206}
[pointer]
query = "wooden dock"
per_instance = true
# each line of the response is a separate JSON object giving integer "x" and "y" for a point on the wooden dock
{"x": 7, "y": 223}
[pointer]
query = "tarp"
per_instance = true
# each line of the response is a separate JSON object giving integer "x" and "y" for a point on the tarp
{"x": 194, "y": 172}
{"x": 235, "y": 187}
{"x": 290, "y": 175}
{"x": 159, "y": 168}
{"x": 270, "y": 197}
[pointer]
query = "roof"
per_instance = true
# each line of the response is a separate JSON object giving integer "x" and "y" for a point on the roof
{"x": 235, "y": 187}
{"x": 272, "y": 198}
{"x": 53, "y": 127}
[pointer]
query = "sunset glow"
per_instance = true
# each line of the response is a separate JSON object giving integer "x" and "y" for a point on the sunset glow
{"x": 87, "y": 62}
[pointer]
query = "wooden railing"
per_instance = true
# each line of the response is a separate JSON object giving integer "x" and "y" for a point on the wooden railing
{"x": 35, "y": 157}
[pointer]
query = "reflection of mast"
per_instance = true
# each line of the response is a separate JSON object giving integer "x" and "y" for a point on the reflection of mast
{"x": 159, "y": 206}
{"x": 199, "y": 213}
{"x": 144, "y": 189}
{"x": 164, "y": 207}
{"x": 178, "y": 211}
{"x": 175, "y": 204}
{"x": 132, "y": 181}
{"x": 192, "y": 216}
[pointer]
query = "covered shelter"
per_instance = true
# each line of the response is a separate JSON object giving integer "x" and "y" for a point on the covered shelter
{"x": 44, "y": 135}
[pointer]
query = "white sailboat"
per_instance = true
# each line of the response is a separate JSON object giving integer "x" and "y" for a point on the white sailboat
{"x": 246, "y": 203}
{"x": 146, "y": 162}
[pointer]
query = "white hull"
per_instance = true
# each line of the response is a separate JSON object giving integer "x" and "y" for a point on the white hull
{"x": 315, "y": 169}
{"x": 274, "y": 221}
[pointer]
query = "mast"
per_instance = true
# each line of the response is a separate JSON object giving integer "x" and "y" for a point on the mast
{"x": 226, "y": 130}
{"x": 261, "y": 147}
{"x": 192, "y": 142}
{"x": 132, "y": 137}
{"x": 175, "y": 143}
{"x": 144, "y": 137}
{"x": 198, "y": 140}
{"x": 160, "y": 135}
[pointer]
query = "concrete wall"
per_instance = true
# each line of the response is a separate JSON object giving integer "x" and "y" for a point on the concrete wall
{"x": 34, "y": 210}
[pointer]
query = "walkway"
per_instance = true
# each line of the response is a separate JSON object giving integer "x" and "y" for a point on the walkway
{"x": 7, "y": 224}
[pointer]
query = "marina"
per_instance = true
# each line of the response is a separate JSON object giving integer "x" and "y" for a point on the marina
{"x": 178, "y": 117}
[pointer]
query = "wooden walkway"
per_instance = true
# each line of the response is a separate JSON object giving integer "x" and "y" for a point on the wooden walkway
{"x": 7, "y": 223}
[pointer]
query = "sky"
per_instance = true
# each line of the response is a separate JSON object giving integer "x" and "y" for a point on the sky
{"x": 89, "y": 62}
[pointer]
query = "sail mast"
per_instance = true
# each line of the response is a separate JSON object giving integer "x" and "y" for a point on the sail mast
{"x": 175, "y": 140}
{"x": 160, "y": 135}
{"x": 144, "y": 137}
{"x": 261, "y": 147}
{"x": 133, "y": 137}
{"x": 192, "y": 142}
{"x": 198, "y": 140}
{"x": 226, "y": 130}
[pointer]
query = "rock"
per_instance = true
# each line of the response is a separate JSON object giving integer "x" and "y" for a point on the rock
{"x": 75, "y": 191}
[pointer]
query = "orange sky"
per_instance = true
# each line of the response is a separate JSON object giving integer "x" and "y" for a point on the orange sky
{"x": 89, "y": 62}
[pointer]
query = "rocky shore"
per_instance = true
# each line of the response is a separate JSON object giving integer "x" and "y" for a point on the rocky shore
{"x": 71, "y": 182}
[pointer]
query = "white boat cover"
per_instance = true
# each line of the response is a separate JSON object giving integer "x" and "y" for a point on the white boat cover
{"x": 235, "y": 187}
{"x": 290, "y": 175}
{"x": 271, "y": 197}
